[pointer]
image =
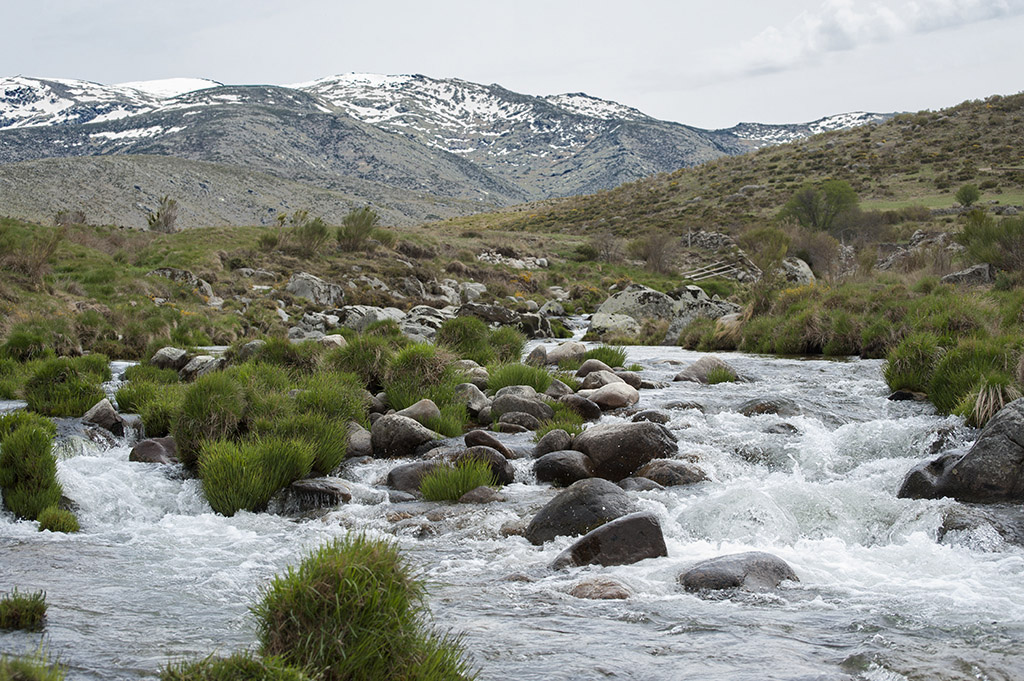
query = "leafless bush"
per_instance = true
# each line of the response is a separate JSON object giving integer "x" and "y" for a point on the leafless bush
{"x": 165, "y": 216}
{"x": 656, "y": 249}
{"x": 67, "y": 218}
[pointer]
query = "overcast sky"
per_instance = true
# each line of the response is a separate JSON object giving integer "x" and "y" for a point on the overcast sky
{"x": 709, "y": 63}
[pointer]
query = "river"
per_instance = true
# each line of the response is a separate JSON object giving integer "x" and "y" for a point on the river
{"x": 884, "y": 594}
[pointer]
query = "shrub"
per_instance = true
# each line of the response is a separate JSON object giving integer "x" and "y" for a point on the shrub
{"x": 518, "y": 374}
{"x": 910, "y": 365}
{"x": 1000, "y": 243}
{"x": 133, "y": 395}
{"x": 160, "y": 413}
{"x": 967, "y": 195}
{"x": 337, "y": 395}
{"x": 467, "y": 338}
{"x": 57, "y": 519}
{"x": 356, "y": 228}
{"x": 449, "y": 483}
{"x": 28, "y": 472}
{"x": 310, "y": 234}
{"x": 164, "y": 217}
{"x": 421, "y": 371}
{"x": 327, "y": 437}
{"x": 245, "y": 475}
{"x": 150, "y": 373}
{"x": 354, "y": 611}
{"x": 23, "y": 611}
{"x": 238, "y": 667}
{"x": 508, "y": 344}
{"x": 60, "y": 388}
{"x": 97, "y": 364}
{"x": 213, "y": 408}
{"x": 613, "y": 356}
{"x": 993, "y": 391}
{"x": 720, "y": 374}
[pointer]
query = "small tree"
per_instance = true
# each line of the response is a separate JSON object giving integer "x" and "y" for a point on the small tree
{"x": 656, "y": 249}
{"x": 356, "y": 228}
{"x": 310, "y": 233}
{"x": 817, "y": 207}
{"x": 968, "y": 195}
{"x": 165, "y": 216}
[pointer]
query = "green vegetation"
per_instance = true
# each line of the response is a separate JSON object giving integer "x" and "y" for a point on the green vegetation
{"x": 565, "y": 418}
{"x": 613, "y": 356}
{"x": 28, "y": 471}
{"x": 213, "y": 408}
{"x": 356, "y": 228}
{"x": 720, "y": 374}
{"x": 57, "y": 519}
{"x": 354, "y": 610}
{"x": 449, "y": 483}
{"x": 33, "y": 667}
{"x": 1000, "y": 243}
{"x": 237, "y": 667}
{"x": 471, "y": 338}
{"x": 518, "y": 374}
{"x": 23, "y": 611}
{"x": 968, "y": 195}
{"x": 245, "y": 475}
{"x": 819, "y": 207}
{"x": 65, "y": 387}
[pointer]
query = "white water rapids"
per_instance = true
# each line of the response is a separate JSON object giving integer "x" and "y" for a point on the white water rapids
{"x": 155, "y": 575}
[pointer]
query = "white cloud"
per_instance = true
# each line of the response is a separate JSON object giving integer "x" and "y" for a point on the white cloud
{"x": 839, "y": 25}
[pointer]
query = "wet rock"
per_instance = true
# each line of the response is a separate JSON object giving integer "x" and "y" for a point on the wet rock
{"x": 991, "y": 471}
{"x": 569, "y": 350}
{"x": 161, "y": 450}
{"x": 393, "y": 435}
{"x": 171, "y": 358}
{"x": 481, "y": 495}
{"x": 782, "y": 429}
{"x": 908, "y": 396}
{"x": 520, "y": 418}
{"x": 614, "y": 396}
{"x": 563, "y": 467}
{"x": 699, "y": 370}
{"x": 422, "y": 412}
{"x": 599, "y": 379}
{"x": 578, "y": 509}
{"x": 360, "y": 442}
{"x": 984, "y": 527}
{"x": 671, "y": 473}
{"x": 510, "y": 428}
{"x": 652, "y": 415}
{"x": 310, "y": 494}
{"x": 752, "y": 571}
{"x": 600, "y": 588}
{"x": 678, "y": 404}
{"x": 622, "y": 541}
{"x": 502, "y": 470}
{"x": 552, "y": 441}
{"x": 508, "y": 402}
{"x": 406, "y": 477}
{"x": 315, "y": 289}
{"x": 104, "y": 415}
{"x": 619, "y": 449}
{"x": 769, "y": 405}
{"x": 583, "y": 406}
{"x": 399, "y": 497}
{"x": 637, "y": 484}
{"x": 482, "y": 438}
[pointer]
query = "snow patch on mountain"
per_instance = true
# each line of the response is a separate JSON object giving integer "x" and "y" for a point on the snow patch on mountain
{"x": 169, "y": 87}
{"x": 583, "y": 104}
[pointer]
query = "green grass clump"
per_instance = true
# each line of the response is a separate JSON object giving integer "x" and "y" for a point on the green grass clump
{"x": 301, "y": 358}
{"x": 57, "y": 519}
{"x": 23, "y": 345}
{"x": 508, "y": 344}
{"x": 566, "y": 418}
{"x": 28, "y": 472}
{"x": 518, "y": 374}
{"x": 452, "y": 421}
{"x": 366, "y": 356}
{"x": 467, "y": 338}
{"x": 18, "y": 419}
{"x": 910, "y": 365}
{"x": 337, "y": 395}
{"x": 23, "y": 611}
{"x": 151, "y": 374}
{"x": 159, "y": 414}
{"x": 612, "y": 355}
{"x": 327, "y": 437}
{"x": 34, "y": 667}
{"x": 238, "y": 667}
{"x": 449, "y": 483}
{"x": 354, "y": 611}
{"x": 421, "y": 371}
{"x": 245, "y": 475}
{"x": 213, "y": 408}
{"x": 133, "y": 395}
{"x": 720, "y": 374}
{"x": 993, "y": 391}
{"x": 960, "y": 369}
{"x": 63, "y": 387}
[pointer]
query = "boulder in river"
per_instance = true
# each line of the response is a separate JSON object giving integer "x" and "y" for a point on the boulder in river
{"x": 619, "y": 449}
{"x": 699, "y": 371}
{"x": 394, "y": 435}
{"x": 751, "y": 571}
{"x": 155, "y": 450}
{"x": 578, "y": 509}
{"x": 563, "y": 467}
{"x": 104, "y": 415}
{"x": 622, "y": 541}
{"x": 991, "y": 471}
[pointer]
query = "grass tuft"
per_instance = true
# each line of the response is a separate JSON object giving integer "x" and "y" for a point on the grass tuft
{"x": 57, "y": 519}
{"x": 23, "y": 611}
{"x": 612, "y": 355}
{"x": 245, "y": 475}
{"x": 518, "y": 374}
{"x": 238, "y": 667}
{"x": 449, "y": 483}
{"x": 566, "y": 418}
{"x": 28, "y": 472}
{"x": 64, "y": 387}
{"x": 34, "y": 667}
{"x": 720, "y": 374}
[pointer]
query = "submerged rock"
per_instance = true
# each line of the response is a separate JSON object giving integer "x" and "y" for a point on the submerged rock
{"x": 670, "y": 473}
{"x": 600, "y": 588}
{"x": 698, "y": 371}
{"x": 752, "y": 571}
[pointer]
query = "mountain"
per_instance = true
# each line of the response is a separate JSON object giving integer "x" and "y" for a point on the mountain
{"x": 462, "y": 147}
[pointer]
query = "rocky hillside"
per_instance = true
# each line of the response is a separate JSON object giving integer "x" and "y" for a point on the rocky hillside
{"x": 470, "y": 147}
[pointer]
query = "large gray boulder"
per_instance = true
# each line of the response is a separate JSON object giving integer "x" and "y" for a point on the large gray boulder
{"x": 586, "y": 408}
{"x": 104, "y": 415}
{"x": 422, "y": 412}
{"x": 578, "y": 509}
{"x": 976, "y": 275}
{"x": 752, "y": 571}
{"x": 394, "y": 435}
{"x": 563, "y": 467}
{"x": 406, "y": 477}
{"x": 698, "y": 371}
{"x": 534, "y": 406}
{"x": 619, "y": 449}
{"x": 200, "y": 365}
{"x": 796, "y": 271}
{"x": 991, "y": 471}
{"x": 640, "y": 303}
{"x": 569, "y": 350}
{"x": 613, "y": 396}
{"x": 315, "y": 289}
{"x": 171, "y": 358}
{"x": 622, "y": 541}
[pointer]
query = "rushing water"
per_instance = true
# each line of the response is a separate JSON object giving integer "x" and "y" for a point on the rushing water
{"x": 155, "y": 575}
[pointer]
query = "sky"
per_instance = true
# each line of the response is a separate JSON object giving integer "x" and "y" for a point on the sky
{"x": 711, "y": 64}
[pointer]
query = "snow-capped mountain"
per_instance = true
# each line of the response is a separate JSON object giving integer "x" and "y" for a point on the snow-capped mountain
{"x": 445, "y": 138}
